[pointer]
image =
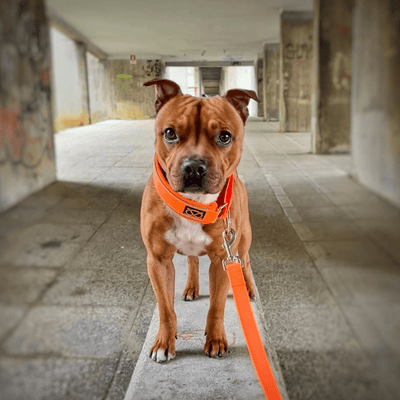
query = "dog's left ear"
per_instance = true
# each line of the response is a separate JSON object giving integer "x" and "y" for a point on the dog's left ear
{"x": 240, "y": 98}
{"x": 165, "y": 90}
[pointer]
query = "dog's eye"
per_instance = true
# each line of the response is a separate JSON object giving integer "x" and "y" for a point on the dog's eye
{"x": 224, "y": 138}
{"x": 170, "y": 136}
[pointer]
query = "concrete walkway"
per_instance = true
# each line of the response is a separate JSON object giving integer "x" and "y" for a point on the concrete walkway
{"x": 76, "y": 304}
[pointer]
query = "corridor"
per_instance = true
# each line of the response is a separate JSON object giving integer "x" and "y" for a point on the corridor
{"x": 79, "y": 303}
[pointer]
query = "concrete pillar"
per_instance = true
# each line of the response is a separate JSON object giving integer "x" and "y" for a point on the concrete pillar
{"x": 129, "y": 98}
{"x": 295, "y": 71}
{"x": 331, "y": 90}
{"x": 260, "y": 85}
{"x": 271, "y": 82}
{"x": 375, "y": 98}
{"x": 26, "y": 124}
{"x": 84, "y": 79}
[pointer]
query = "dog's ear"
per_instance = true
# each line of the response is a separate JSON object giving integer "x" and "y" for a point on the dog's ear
{"x": 240, "y": 98}
{"x": 165, "y": 90}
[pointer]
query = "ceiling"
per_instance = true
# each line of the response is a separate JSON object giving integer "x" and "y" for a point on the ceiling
{"x": 178, "y": 30}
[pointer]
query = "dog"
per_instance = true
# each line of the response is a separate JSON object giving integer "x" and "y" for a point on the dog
{"x": 198, "y": 146}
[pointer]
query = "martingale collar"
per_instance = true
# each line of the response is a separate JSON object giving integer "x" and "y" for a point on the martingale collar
{"x": 189, "y": 209}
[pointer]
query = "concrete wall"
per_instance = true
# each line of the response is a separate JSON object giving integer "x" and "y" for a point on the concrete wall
{"x": 241, "y": 78}
{"x": 71, "y": 106}
{"x": 375, "y": 102}
{"x": 295, "y": 71}
{"x": 129, "y": 98}
{"x": 26, "y": 125}
{"x": 271, "y": 82}
{"x": 99, "y": 90}
{"x": 330, "y": 125}
{"x": 260, "y": 86}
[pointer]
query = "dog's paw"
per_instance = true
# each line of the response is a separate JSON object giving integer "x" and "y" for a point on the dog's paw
{"x": 163, "y": 349}
{"x": 216, "y": 346}
{"x": 251, "y": 292}
{"x": 190, "y": 293}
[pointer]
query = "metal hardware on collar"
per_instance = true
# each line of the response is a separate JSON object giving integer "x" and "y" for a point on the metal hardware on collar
{"x": 227, "y": 246}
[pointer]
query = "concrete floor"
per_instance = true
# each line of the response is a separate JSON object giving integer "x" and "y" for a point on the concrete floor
{"x": 76, "y": 303}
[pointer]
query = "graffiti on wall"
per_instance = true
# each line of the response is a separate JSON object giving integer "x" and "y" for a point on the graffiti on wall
{"x": 153, "y": 67}
{"x": 25, "y": 112}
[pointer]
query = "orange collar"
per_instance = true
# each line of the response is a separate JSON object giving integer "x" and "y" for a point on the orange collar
{"x": 189, "y": 209}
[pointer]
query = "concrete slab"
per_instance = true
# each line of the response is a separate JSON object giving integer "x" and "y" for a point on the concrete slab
{"x": 55, "y": 378}
{"x": 192, "y": 375}
{"x": 44, "y": 245}
{"x": 112, "y": 246}
{"x": 24, "y": 285}
{"x": 122, "y": 285}
{"x": 327, "y": 230}
{"x": 10, "y": 316}
{"x": 71, "y": 332}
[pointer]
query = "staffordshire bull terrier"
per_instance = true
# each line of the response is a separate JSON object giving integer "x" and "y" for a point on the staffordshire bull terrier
{"x": 185, "y": 205}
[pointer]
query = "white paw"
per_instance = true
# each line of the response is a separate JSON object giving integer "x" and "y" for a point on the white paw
{"x": 159, "y": 356}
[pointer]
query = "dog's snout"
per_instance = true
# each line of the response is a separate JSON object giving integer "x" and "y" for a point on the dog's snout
{"x": 194, "y": 173}
{"x": 195, "y": 167}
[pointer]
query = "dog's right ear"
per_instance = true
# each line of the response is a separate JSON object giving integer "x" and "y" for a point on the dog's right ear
{"x": 165, "y": 90}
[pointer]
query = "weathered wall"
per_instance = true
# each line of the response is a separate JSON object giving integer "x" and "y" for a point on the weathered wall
{"x": 260, "y": 86}
{"x": 295, "y": 71}
{"x": 26, "y": 130}
{"x": 99, "y": 91}
{"x": 375, "y": 100}
{"x": 330, "y": 124}
{"x": 129, "y": 98}
{"x": 71, "y": 106}
{"x": 271, "y": 82}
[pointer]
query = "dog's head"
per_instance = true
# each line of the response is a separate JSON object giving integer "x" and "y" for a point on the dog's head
{"x": 199, "y": 139}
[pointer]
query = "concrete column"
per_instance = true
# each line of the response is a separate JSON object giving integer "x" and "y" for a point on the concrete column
{"x": 260, "y": 85}
{"x": 331, "y": 90}
{"x": 84, "y": 79}
{"x": 375, "y": 98}
{"x": 271, "y": 82}
{"x": 26, "y": 124}
{"x": 295, "y": 71}
{"x": 129, "y": 98}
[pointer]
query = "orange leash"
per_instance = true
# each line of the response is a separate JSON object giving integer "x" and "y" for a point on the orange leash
{"x": 251, "y": 333}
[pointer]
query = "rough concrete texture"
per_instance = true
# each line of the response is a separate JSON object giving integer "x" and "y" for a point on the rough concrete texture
{"x": 271, "y": 82}
{"x": 375, "y": 117}
{"x": 69, "y": 80}
{"x": 229, "y": 377}
{"x": 296, "y": 49}
{"x": 331, "y": 79}
{"x": 129, "y": 99}
{"x": 76, "y": 303}
{"x": 99, "y": 90}
{"x": 26, "y": 131}
{"x": 259, "y": 71}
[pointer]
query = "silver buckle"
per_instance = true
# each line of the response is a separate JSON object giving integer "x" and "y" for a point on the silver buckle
{"x": 227, "y": 245}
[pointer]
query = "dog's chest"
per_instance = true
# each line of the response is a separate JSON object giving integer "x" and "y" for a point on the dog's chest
{"x": 188, "y": 237}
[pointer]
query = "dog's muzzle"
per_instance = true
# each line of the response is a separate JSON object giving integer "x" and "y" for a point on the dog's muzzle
{"x": 194, "y": 175}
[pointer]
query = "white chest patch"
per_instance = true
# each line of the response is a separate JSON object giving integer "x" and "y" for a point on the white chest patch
{"x": 188, "y": 237}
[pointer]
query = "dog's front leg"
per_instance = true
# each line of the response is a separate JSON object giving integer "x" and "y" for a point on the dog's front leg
{"x": 216, "y": 343}
{"x": 162, "y": 277}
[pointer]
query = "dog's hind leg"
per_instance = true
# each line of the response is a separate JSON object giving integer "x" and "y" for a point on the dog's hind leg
{"x": 191, "y": 291}
{"x": 248, "y": 276}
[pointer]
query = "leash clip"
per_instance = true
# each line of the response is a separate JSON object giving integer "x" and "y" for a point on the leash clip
{"x": 229, "y": 237}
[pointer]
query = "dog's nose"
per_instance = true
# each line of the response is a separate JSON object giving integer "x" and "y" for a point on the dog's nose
{"x": 194, "y": 172}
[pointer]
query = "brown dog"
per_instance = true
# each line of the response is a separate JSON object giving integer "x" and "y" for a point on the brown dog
{"x": 198, "y": 144}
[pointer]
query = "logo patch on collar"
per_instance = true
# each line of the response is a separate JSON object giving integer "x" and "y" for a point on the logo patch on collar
{"x": 194, "y": 212}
